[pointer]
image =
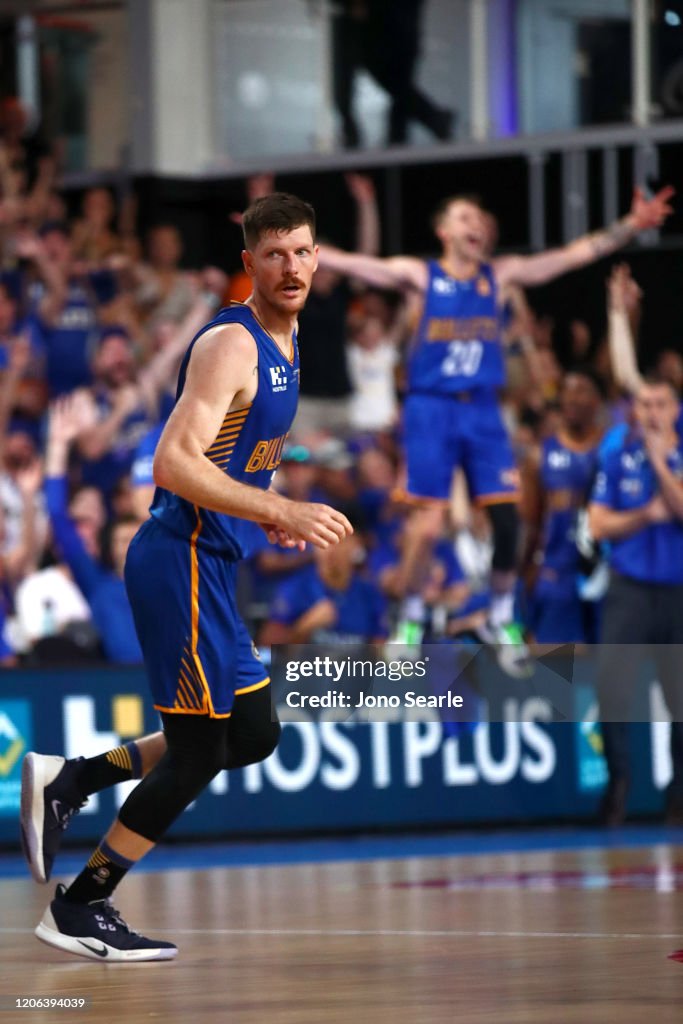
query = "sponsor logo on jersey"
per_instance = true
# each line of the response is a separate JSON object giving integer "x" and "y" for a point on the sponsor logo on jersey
{"x": 442, "y": 286}
{"x": 278, "y": 377}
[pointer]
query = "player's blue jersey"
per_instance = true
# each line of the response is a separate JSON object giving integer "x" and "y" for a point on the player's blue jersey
{"x": 248, "y": 446}
{"x": 626, "y": 480}
{"x": 567, "y": 472}
{"x": 105, "y": 472}
{"x": 69, "y": 341}
{"x": 361, "y": 608}
{"x": 457, "y": 344}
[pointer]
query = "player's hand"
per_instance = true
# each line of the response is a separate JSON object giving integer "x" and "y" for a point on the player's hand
{"x": 27, "y": 245}
{"x": 29, "y": 479}
{"x": 69, "y": 416}
{"x": 658, "y": 511}
{"x": 316, "y": 523}
{"x": 624, "y": 292}
{"x": 278, "y": 535}
{"x": 260, "y": 185}
{"x": 651, "y": 213}
{"x": 361, "y": 187}
{"x": 658, "y": 445}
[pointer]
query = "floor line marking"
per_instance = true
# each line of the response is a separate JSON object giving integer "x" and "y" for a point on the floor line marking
{"x": 402, "y": 933}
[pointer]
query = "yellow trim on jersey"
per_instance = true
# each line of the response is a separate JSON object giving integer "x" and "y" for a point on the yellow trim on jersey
{"x": 98, "y": 859}
{"x": 120, "y": 758}
{"x": 401, "y": 495}
{"x": 220, "y": 450}
{"x": 191, "y": 711}
{"x": 194, "y": 589}
{"x": 498, "y": 499}
{"x": 250, "y": 689}
{"x": 290, "y": 358}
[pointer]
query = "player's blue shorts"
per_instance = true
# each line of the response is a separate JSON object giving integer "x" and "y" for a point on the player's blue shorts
{"x": 197, "y": 651}
{"x": 443, "y": 433}
{"x": 557, "y": 615}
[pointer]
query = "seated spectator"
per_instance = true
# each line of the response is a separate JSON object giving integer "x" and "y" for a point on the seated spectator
{"x": 335, "y": 478}
{"x": 376, "y": 479}
{"x": 102, "y": 587}
{"x": 421, "y": 572}
{"x": 329, "y": 602}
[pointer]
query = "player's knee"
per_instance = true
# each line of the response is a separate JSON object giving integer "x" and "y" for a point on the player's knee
{"x": 505, "y": 523}
{"x": 256, "y": 746}
{"x": 166, "y": 791}
{"x": 267, "y": 740}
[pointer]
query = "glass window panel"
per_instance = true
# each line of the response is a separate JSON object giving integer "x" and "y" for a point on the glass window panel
{"x": 667, "y": 59}
{"x": 574, "y": 63}
{"x": 300, "y": 76}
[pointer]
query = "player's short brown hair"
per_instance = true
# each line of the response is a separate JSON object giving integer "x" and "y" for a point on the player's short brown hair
{"x": 463, "y": 197}
{"x": 279, "y": 212}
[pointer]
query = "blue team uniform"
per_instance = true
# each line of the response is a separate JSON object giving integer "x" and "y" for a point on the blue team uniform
{"x": 106, "y": 472}
{"x": 103, "y": 589}
{"x": 625, "y": 481}
{"x": 557, "y": 613}
{"x": 181, "y": 565}
{"x": 361, "y": 608}
{"x": 451, "y": 414}
{"x": 70, "y": 341}
{"x": 141, "y": 474}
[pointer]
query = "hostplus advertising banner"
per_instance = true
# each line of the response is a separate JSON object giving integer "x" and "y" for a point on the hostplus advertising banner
{"x": 362, "y": 746}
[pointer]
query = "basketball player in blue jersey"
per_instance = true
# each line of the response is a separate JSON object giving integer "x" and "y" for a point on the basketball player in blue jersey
{"x": 557, "y": 481}
{"x": 455, "y": 368}
{"x": 236, "y": 400}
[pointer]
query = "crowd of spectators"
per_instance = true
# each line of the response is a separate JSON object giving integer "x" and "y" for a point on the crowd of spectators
{"x": 93, "y": 324}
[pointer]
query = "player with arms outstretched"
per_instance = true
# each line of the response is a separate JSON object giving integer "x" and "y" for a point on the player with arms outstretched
{"x": 456, "y": 367}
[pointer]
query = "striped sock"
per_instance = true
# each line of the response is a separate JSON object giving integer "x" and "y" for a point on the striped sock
{"x": 117, "y": 765}
{"x": 100, "y": 876}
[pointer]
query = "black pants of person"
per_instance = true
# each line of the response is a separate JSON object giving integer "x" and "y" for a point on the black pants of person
{"x": 385, "y": 41}
{"x": 640, "y": 621}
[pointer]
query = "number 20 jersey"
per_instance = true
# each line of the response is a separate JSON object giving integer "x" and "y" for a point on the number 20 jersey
{"x": 457, "y": 344}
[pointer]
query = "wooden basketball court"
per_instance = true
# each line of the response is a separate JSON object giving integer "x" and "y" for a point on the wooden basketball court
{"x": 524, "y": 938}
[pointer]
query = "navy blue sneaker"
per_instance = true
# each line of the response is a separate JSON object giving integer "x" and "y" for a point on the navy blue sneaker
{"x": 49, "y": 800}
{"x": 97, "y": 931}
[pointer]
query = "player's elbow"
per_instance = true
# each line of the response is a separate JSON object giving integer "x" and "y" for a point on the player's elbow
{"x": 164, "y": 468}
